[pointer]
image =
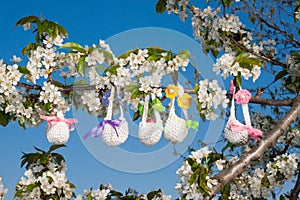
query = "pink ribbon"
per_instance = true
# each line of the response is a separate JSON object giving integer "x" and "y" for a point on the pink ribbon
{"x": 253, "y": 132}
{"x": 232, "y": 86}
{"x": 52, "y": 120}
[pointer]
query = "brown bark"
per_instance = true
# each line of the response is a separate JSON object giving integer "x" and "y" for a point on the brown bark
{"x": 296, "y": 190}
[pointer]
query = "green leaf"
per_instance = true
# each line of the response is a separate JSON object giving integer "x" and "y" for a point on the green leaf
{"x": 73, "y": 46}
{"x": 157, "y": 105}
{"x": 161, "y": 6}
{"x": 55, "y": 146}
{"x": 280, "y": 75}
{"x": 28, "y": 19}
{"x": 81, "y": 66}
{"x": 239, "y": 79}
{"x": 228, "y": 2}
{"x": 152, "y": 194}
{"x": 241, "y": 57}
{"x": 29, "y": 47}
{"x": 101, "y": 68}
{"x": 136, "y": 115}
{"x": 125, "y": 55}
{"x": 23, "y": 162}
{"x": 115, "y": 193}
{"x": 23, "y": 70}
{"x": 215, "y": 53}
{"x": 153, "y": 57}
{"x": 106, "y": 54}
{"x": 136, "y": 93}
{"x": 194, "y": 177}
{"x": 18, "y": 193}
{"x": 57, "y": 157}
{"x": 196, "y": 88}
{"x": 282, "y": 197}
{"x": 252, "y": 61}
{"x": 40, "y": 150}
{"x": 4, "y": 118}
{"x": 141, "y": 108}
{"x": 57, "y": 83}
{"x": 112, "y": 69}
{"x": 30, "y": 187}
{"x": 184, "y": 54}
{"x": 131, "y": 87}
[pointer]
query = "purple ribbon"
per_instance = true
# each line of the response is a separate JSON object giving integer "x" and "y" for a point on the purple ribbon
{"x": 97, "y": 130}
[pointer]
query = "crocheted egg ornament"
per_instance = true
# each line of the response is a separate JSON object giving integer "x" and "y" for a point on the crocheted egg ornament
{"x": 58, "y": 133}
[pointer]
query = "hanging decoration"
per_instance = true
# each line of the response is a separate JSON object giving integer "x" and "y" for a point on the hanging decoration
{"x": 150, "y": 130}
{"x": 114, "y": 132}
{"x": 236, "y": 132}
{"x": 175, "y": 127}
{"x": 58, "y": 128}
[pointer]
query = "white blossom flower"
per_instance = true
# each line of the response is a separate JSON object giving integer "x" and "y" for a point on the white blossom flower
{"x": 220, "y": 164}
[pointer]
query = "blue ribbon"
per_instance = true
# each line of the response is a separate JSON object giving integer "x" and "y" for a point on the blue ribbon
{"x": 97, "y": 130}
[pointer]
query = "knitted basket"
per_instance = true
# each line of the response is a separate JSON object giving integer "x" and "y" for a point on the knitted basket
{"x": 238, "y": 138}
{"x": 58, "y": 133}
{"x": 175, "y": 127}
{"x": 150, "y": 132}
{"x": 114, "y": 136}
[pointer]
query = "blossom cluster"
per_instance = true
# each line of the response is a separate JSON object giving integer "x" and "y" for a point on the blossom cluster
{"x": 210, "y": 97}
{"x": 292, "y": 138}
{"x": 91, "y": 100}
{"x": 96, "y": 193}
{"x": 41, "y": 182}
{"x": 45, "y": 59}
{"x": 213, "y": 31}
{"x": 294, "y": 71}
{"x": 227, "y": 66}
{"x": 138, "y": 70}
{"x": 261, "y": 182}
{"x": 3, "y": 190}
{"x": 11, "y": 99}
{"x": 187, "y": 188}
{"x": 51, "y": 94}
{"x": 107, "y": 192}
{"x": 262, "y": 122}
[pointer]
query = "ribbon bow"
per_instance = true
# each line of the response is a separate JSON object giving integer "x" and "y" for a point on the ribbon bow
{"x": 192, "y": 124}
{"x": 97, "y": 130}
{"x": 53, "y": 120}
{"x": 253, "y": 132}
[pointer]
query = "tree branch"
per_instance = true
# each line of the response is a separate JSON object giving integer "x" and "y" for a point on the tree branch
{"x": 261, "y": 55}
{"x": 255, "y": 99}
{"x": 256, "y": 152}
{"x": 271, "y": 102}
{"x": 296, "y": 190}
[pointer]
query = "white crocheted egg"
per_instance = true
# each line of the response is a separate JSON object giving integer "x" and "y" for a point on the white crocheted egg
{"x": 175, "y": 129}
{"x": 238, "y": 138}
{"x": 58, "y": 133}
{"x": 150, "y": 132}
{"x": 111, "y": 138}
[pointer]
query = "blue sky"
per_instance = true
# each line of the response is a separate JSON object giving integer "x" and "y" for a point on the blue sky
{"x": 87, "y": 22}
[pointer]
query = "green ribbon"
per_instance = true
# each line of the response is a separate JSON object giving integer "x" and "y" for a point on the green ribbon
{"x": 157, "y": 105}
{"x": 192, "y": 124}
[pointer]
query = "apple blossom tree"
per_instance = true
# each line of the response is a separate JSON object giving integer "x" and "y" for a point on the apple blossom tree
{"x": 249, "y": 40}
